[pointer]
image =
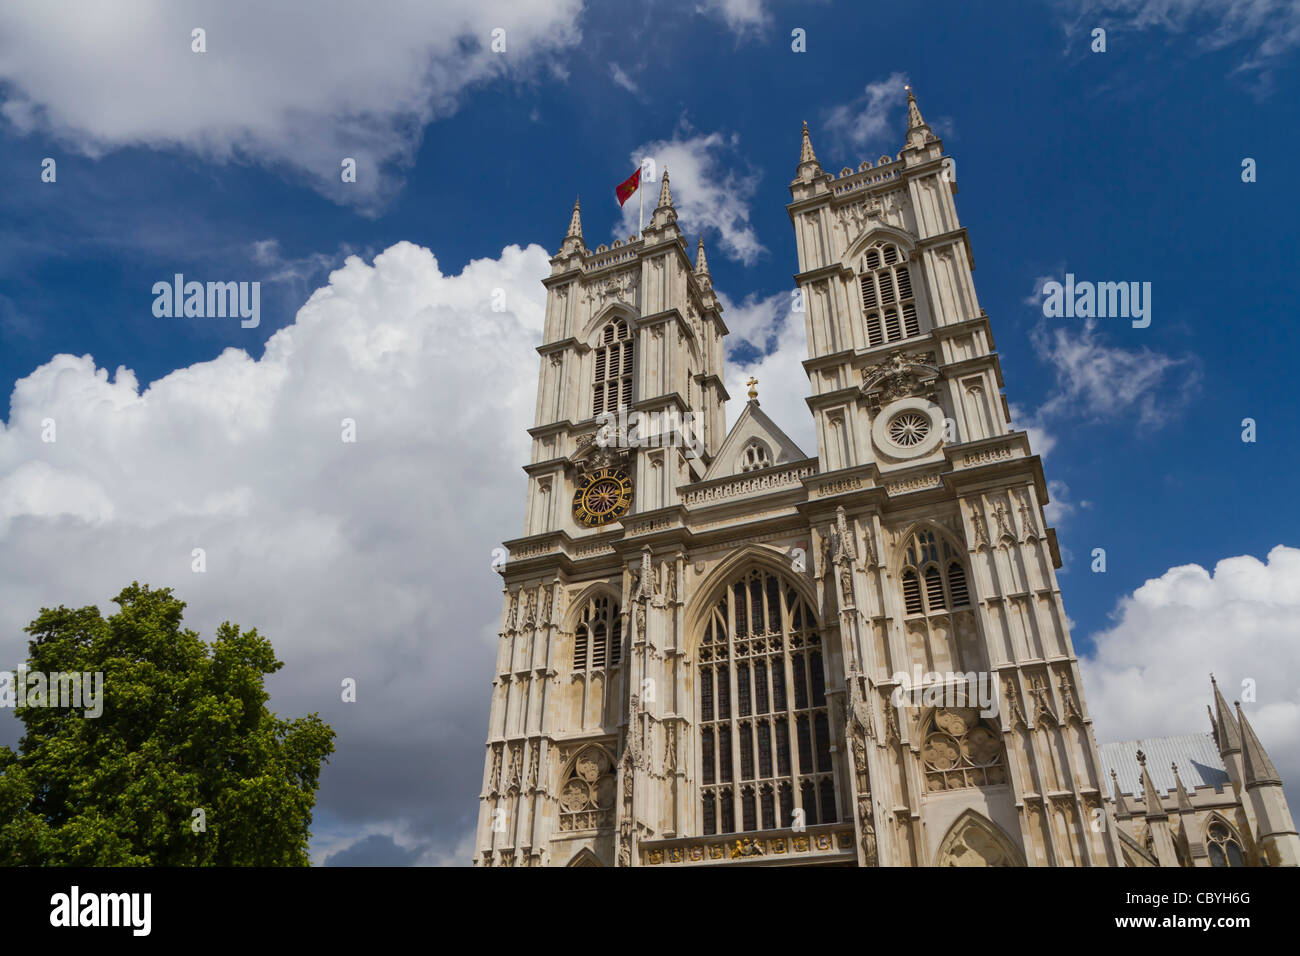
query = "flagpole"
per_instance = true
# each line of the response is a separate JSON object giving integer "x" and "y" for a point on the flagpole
{"x": 640, "y": 206}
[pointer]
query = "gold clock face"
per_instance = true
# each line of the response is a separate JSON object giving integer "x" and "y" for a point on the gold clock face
{"x": 602, "y": 496}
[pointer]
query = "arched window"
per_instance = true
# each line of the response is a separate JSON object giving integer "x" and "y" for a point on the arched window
{"x": 765, "y": 744}
{"x": 888, "y": 304}
{"x": 755, "y": 457}
{"x": 613, "y": 382}
{"x": 1222, "y": 845}
{"x": 961, "y": 749}
{"x": 933, "y": 561}
{"x": 598, "y": 638}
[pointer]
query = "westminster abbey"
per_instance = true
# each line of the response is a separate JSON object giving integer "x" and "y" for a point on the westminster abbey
{"x": 706, "y": 637}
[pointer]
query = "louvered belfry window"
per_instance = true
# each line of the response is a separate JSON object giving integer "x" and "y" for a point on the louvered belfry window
{"x": 598, "y": 638}
{"x": 888, "y": 304}
{"x": 934, "y": 578}
{"x": 765, "y": 742}
{"x": 614, "y": 361}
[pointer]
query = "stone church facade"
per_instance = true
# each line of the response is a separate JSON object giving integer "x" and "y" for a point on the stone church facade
{"x": 717, "y": 649}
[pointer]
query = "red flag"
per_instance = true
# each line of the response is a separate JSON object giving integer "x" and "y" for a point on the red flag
{"x": 627, "y": 187}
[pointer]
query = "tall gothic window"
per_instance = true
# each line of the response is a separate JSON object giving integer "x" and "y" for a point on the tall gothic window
{"x": 765, "y": 742}
{"x": 1221, "y": 843}
{"x": 888, "y": 304}
{"x": 934, "y": 578}
{"x": 613, "y": 383}
{"x": 598, "y": 638}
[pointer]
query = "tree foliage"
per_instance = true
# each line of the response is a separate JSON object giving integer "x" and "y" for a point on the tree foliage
{"x": 184, "y": 727}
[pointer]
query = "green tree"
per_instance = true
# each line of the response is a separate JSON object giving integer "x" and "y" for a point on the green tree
{"x": 184, "y": 727}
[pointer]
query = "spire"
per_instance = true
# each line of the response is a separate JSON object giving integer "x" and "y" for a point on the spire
{"x": 1229, "y": 735}
{"x": 575, "y": 223}
{"x": 914, "y": 118}
{"x": 1184, "y": 802}
{"x": 665, "y": 194}
{"x": 1258, "y": 768}
{"x": 701, "y": 263}
{"x": 806, "y": 154}
{"x": 918, "y": 131}
{"x": 1154, "y": 809}
{"x": 1121, "y": 805}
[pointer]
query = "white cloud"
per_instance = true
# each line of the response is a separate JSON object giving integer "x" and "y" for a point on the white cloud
{"x": 1099, "y": 382}
{"x": 368, "y": 560}
{"x": 782, "y": 381}
{"x": 1269, "y": 29}
{"x": 745, "y": 18}
{"x": 865, "y": 120}
{"x": 622, "y": 79}
{"x": 288, "y": 86}
{"x": 1149, "y": 673}
{"x": 712, "y": 187}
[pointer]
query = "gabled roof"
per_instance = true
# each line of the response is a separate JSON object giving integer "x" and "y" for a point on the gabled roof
{"x": 753, "y": 424}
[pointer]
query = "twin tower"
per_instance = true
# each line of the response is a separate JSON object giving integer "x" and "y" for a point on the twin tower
{"x": 711, "y": 640}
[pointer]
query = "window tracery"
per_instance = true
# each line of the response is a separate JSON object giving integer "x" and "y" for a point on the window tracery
{"x": 765, "y": 743}
{"x": 888, "y": 303}
{"x": 598, "y": 638}
{"x": 614, "y": 361}
{"x": 960, "y": 749}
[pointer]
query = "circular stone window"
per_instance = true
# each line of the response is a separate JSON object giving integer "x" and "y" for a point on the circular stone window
{"x": 908, "y": 428}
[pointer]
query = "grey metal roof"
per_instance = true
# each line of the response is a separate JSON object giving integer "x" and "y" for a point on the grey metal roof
{"x": 1197, "y": 756}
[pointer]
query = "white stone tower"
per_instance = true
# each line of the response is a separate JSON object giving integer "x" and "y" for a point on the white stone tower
{"x": 710, "y": 641}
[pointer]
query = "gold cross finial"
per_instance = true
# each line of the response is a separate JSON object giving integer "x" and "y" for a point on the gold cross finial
{"x": 753, "y": 392}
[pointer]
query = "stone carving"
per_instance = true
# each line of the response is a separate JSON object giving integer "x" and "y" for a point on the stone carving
{"x": 618, "y": 287}
{"x": 533, "y": 765}
{"x": 899, "y": 376}
{"x": 981, "y": 529}
{"x": 1004, "y": 523}
{"x": 670, "y": 747}
{"x": 1042, "y": 701}
{"x": 513, "y": 609}
{"x": 548, "y": 605}
{"x": 824, "y": 554}
{"x": 494, "y": 779}
{"x": 1026, "y": 516}
{"x": 1069, "y": 705}
{"x": 1013, "y": 704}
{"x": 530, "y": 608}
{"x": 743, "y": 848}
{"x": 867, "y": 822}
{"x": 516, "y": 761}
{"x": 671, "y": 586}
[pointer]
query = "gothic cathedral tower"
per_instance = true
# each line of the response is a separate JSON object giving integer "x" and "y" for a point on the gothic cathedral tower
{"x": 710, "y": 639}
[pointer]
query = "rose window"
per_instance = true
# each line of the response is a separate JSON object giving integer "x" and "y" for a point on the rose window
{"x": 909, "y": 429}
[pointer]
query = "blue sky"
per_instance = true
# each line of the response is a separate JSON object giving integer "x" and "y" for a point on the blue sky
{"x": 1122, "y": 165}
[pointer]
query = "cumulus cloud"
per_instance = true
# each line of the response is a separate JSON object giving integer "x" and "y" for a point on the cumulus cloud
{"x": 368, "y": 560}
{"x": 1149, "y": 673}
{"x": 776, "y": 335}
{"x": 712, "y": 186}
{"x": 281, "y": 85}
{"x": 865, "y": 120}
